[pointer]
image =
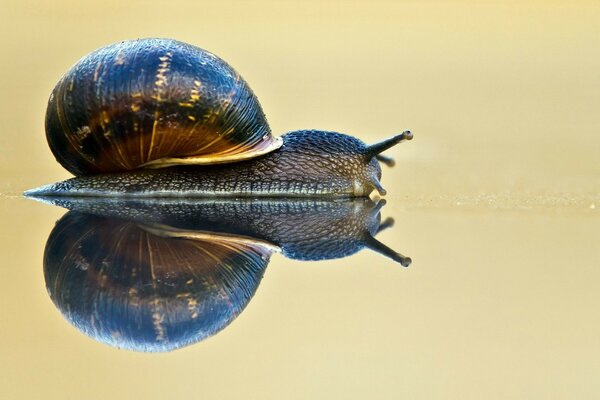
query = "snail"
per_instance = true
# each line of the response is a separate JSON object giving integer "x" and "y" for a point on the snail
{"x": 160, "y": 275}
{"x": 162, "y": 118}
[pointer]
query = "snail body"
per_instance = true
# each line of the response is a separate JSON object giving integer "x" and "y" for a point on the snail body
{"x": 158, "y": 117}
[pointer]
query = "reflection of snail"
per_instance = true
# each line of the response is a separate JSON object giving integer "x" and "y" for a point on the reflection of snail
{"x": 156, "y": 276}
{"x": 126, "y": 111}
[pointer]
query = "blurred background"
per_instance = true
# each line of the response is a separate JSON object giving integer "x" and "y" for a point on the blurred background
{"x": 496, "y": 199}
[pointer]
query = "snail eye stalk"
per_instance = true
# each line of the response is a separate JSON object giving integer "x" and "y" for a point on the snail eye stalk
{"x": 376, "y": 149}
{"x": 389, "y": 161}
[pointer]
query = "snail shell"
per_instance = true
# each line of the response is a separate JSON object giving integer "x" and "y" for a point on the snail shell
{"x": 153, "y": 103}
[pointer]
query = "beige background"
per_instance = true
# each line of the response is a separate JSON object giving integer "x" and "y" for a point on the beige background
{"x": 496, "y": 200}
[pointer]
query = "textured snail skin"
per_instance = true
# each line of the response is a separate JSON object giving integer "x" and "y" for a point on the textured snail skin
{"x": 309, "y": 164}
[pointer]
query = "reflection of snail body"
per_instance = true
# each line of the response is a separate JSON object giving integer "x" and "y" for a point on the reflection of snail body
{"x": 156, "y": 276}
{"x": 157, "y": 117}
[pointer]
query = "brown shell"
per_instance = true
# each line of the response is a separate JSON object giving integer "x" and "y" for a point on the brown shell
{"x": 153, "y": 103}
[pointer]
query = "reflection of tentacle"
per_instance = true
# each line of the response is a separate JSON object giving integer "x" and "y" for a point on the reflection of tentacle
{"x": 381, "y": 248}
{"x": 378, "y": 206}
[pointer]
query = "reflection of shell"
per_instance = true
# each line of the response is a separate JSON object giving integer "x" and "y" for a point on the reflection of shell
{"x": 133, "y": 287}
{"x": 157, "y": 102}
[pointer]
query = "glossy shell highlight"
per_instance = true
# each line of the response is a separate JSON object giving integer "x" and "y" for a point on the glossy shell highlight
{"x": 153, "y": 103}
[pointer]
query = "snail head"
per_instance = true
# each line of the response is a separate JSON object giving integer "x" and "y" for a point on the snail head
{"x": 373, "y": 157}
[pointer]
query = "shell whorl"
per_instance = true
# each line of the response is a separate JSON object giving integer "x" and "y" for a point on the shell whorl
{"x": 153, "y": 102}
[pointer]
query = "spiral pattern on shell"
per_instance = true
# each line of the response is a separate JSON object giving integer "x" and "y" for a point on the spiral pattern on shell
{"x": 153, "y": 102}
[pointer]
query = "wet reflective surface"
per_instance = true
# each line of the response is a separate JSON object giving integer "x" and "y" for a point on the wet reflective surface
{"x": 496, "y": 201}
{"x": 157, "y": 275}
{"x": 510, "y": 291}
